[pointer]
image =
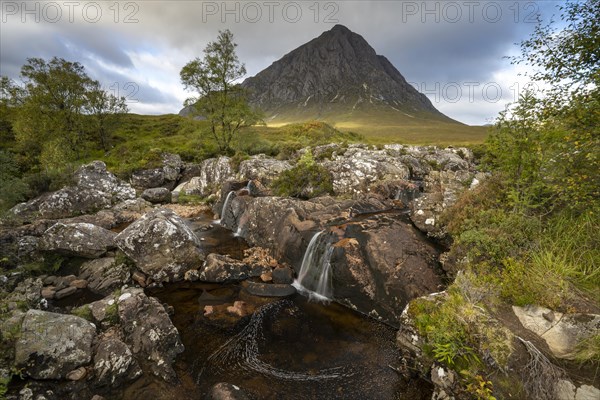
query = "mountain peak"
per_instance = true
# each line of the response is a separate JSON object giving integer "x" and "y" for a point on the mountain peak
{"x": 340, "y": 29}
{"x": 337, "y": 72}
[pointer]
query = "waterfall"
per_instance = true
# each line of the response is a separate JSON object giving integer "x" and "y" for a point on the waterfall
{"x": 226, "y": 204}
{"x": 407, "y": 194}
{"x": 315, "y": 277}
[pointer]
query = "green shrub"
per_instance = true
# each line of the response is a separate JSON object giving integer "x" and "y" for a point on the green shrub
{"x": 458, "y": 331}
{"x": 12, "y": 188}
{"x": 446, "y": 333}
{"x": 306, "y": 180}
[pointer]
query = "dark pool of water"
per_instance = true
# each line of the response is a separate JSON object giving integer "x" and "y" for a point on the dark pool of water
{"x": 288, "y": 349}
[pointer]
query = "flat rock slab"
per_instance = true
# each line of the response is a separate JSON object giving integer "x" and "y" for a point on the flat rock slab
{"x": 562, "y": 332}
{"x": 269, "y": 289}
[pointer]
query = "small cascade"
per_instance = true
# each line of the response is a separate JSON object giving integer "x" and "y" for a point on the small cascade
{"x": 228, "y": 199}
{"x": 407, "y": 194}
{"x": 315, "y": 277}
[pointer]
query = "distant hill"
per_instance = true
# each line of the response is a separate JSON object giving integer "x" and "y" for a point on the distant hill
{"x": 339, "y": 78}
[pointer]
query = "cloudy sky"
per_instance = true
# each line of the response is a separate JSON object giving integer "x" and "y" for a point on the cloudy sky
{"x": 453, "y": 51}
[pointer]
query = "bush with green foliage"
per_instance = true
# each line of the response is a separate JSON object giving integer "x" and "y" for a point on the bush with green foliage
{"x": 61, "y": 113}
{"x": 305, "y": 180}
{"x": 457, "y": 331}
{"x": 547, "y": 146}
{"x": 12, "y": 187}
{"x": 528, "y": 234}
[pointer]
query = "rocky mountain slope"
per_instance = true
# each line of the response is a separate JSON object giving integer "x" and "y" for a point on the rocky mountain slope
{"x": 339, "y": 78}
{"x": 334, "y": 74}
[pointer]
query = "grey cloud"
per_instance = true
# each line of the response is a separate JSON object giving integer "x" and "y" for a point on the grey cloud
{"x": 430, "y": 52}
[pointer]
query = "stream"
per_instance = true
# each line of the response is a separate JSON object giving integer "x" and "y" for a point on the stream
{"x": 286, "y": 349}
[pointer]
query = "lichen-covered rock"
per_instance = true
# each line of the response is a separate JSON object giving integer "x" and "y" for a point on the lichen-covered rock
{"x": 157, "y": 195}
{"x": 189, "y": 171}
{"x": 276, "y": 223}
{"x": 357, "y": 168}
{"x": 562, "y": 332}
{"x": 165, "y": 176}
{"x": 447, "y": 160}
{"x": 95, "y": 189}
{"x": 285, "y": 226}
{"x": 51, "y": 345}
{"x": 214, "y": 172}
{"x": 94, "y": 176}
{"x": 161, "y": 245}
{"x": 104, "y": 275}
{"x": 262, "y": 169}
{"x": 79, "y": 239}
{"x": 149, "y": 332}
{"x": 27, "y": 247}
{"x": 114, "y": 363}
{"x": 220, "y": 268}
{"x": 27, "y": 292}
{"x": 441, "y": 191}
{"x": 232, "y": 211}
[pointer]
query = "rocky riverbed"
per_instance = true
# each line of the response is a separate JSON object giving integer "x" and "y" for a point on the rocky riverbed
{"x": 111, "y": 289}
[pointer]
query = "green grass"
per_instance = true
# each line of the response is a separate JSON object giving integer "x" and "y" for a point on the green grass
{"x": 139, "y": 138}
{"x": 138, "y": 142}
{"x": 549, "y": 260}
{"x": 384, "y": 125}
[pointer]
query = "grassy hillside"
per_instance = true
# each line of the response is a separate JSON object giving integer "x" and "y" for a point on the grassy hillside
{"x": 382, "y": 124}
{"x": 137, "y": 142}
{"x": 138, "y": 138}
